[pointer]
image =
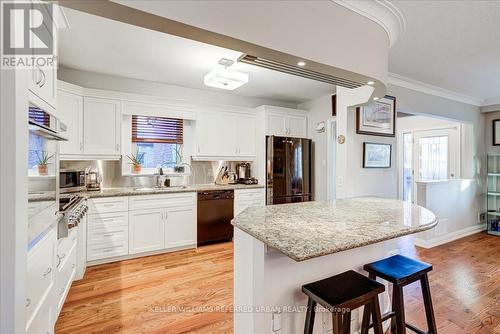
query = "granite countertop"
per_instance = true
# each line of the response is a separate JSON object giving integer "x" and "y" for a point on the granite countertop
{"x": 307, "y": 230}
{"x": 129, "y": 191}
{"x": 115, "y": 192}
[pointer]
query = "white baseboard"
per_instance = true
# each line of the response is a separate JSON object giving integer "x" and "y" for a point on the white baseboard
{"x": 449, "y": 236}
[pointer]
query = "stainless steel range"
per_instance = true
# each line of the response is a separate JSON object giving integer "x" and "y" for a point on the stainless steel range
{"x": 73, "y": 209}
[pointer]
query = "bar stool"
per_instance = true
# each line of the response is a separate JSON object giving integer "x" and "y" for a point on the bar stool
{"x": 401, "y": 271}
{"x": 340, "y": 295}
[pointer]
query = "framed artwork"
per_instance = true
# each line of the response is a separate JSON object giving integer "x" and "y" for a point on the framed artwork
{"x": 376, "y": 155}
{"x": 496, "y": 132}
{"x": 377, "y": 118}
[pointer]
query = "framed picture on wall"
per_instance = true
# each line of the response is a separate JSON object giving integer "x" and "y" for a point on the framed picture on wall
{"x": 376, "y": 155}
{"x": 496, "y": 132}
{"x": 377, "y": 118}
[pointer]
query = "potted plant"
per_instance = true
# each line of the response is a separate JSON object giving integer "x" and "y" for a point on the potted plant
{"x": 43, "y": 162}
{"x": 136, "y": 160}
{"x": 178, "y": 168}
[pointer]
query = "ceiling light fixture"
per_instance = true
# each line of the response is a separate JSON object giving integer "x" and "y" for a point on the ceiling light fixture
{"x": 224, "y": 78}
{"x": 371, "y": 83}
{"x": 301, "y": 63}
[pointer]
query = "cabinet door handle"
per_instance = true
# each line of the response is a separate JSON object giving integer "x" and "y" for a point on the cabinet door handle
{"x": 59, "y": 260}
{"x": 81, "y": 146}
{"x": 38, "y": 77}
{"x": 44, "y": 79}
{"x": 48, "y": 271}
{"x": 28, "y": 302}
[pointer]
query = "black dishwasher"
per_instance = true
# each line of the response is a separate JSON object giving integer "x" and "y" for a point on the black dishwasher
{"x": 215, "y": 212}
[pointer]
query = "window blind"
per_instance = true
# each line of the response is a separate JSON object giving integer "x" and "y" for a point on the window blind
{"x": 146, "y": 129}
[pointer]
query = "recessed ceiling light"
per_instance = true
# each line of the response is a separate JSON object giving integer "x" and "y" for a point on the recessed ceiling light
{"x": 371, "y": 82}
{"x": 301, "y": 63}
{"x": 375, "y": 98}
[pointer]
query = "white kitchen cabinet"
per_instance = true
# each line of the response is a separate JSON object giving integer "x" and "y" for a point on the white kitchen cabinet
{"x": 146, "y": 230}
{"x": 296, "y": 125}
{"x": 180, "y": 226}
{"x": 276, "y": 124}
{"x": 101, "y": 126}
{"x": 285, "y": 122}
{"x": 70, "y": 112}
{"x": 42, "y": 82}
{"x": 245, "y": 135}
{"x": 245, "y": 198}
{"x": 224, "y": 135}
{"x": 40, "y": 283}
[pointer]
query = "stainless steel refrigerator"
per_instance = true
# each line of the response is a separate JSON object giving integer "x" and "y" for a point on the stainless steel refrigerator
{"x": 288, "y": 170}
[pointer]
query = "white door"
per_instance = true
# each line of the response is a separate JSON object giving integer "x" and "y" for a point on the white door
{"x": 436, "y": 155}
{"x": 245, "y": 135}
{"x": 180, "y": 227}
{"x": 146, "y": 230}
{"x": 276, "y": 125}
{"x": 297, "y": 126}
{"x": 70, "y": 112}
{"x": 101, "y": 128}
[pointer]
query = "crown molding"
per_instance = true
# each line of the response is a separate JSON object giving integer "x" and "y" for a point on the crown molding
{"x": 382, "y": 12}
{"x": 401, "y": 81}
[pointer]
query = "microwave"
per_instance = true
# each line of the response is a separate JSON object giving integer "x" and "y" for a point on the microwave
{"x": 72, "y": 180}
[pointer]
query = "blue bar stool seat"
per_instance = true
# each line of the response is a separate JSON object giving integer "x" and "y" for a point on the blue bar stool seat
{"x": 401, "y": 271}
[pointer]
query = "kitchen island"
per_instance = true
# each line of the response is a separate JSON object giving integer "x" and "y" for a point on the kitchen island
{"x": 279, "y": 248}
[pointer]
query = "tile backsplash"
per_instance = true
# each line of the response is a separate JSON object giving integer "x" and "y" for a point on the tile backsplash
{"x": 203, "y": 172}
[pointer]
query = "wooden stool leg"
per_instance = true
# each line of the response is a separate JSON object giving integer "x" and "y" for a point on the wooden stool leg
{"x": 394, "y": 306}
{"x": 346, "y": 323}
{"x": 337, "y": 322}
{"x": 377, "y": 317}
{"x": 400, "y": 310}
{"x": 311, "y": 310}
{"x": 429, "y": 311}
{"x": 367, "y": 311}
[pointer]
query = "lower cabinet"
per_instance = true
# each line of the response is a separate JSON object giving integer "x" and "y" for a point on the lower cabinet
{"x": 150, "y": 223}
{"x": 107, "y": 233}
{"x": 146, "y": 230}
{"x": 180, "y": 226}
{"x": 41, "y": 282}
{"x": 245, "y": 198}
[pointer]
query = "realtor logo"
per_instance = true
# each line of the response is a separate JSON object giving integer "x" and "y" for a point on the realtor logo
{"x": 27, "y": 34}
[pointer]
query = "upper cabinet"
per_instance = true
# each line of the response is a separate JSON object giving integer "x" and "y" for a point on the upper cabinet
{"x": 101, "y": 126}
{"x": 285, "y": 122}
{"x": 224, "y": 135}
{"x": 70, "y": 112}
{"x": 93, "y": 124}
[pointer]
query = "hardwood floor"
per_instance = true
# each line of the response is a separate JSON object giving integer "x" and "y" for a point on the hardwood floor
{"x": 133, "y": 296}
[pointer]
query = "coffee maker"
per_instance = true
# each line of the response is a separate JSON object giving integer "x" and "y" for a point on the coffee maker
{"x": 94, "y": 181}
{"x": 244, "y": 177}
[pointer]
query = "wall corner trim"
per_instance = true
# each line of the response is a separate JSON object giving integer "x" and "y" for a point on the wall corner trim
{"x": 419, "y": 86}
{"x": 382, "y": 12}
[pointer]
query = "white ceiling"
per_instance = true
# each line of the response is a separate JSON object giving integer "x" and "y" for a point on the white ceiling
{"x": 104, "y": 46}
{"x": 454, "y": 45}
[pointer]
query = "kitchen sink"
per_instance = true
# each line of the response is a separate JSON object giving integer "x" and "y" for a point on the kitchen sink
{"x": 158, "y": 188}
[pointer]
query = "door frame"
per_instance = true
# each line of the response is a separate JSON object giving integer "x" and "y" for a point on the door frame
{"x": 331, "y": 158}
{"x": 400, "y": 134}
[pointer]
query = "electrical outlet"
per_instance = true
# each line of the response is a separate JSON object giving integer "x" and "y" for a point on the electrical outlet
{"x": 481, "y": 217}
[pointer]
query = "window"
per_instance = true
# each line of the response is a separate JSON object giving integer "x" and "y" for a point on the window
{"x": 433, "y": 158}
{"x": 158, "y": 138}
